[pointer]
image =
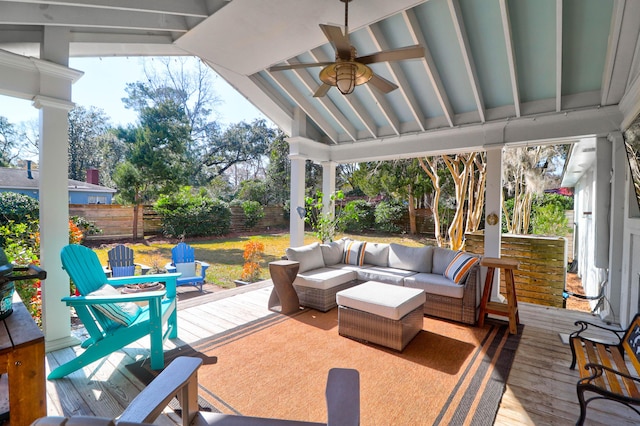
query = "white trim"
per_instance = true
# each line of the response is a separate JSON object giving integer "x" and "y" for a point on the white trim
{"x": 511, "y": 56}
{"x": 630, "y": 104}
{"x": 41, "y": 101}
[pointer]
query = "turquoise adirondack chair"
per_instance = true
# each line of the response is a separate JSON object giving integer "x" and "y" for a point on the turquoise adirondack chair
{"x": 183, "y": 260}
{"x": 121, "y": 262}
{"x": 111, "y": 319}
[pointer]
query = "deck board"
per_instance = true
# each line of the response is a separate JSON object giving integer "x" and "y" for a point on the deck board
{"x": 540, "y": 388}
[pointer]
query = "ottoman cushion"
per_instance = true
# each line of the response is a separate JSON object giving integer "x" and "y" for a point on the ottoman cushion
{"x": 385, "y": 300}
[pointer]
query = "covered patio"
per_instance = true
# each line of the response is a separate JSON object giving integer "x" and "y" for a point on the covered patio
{"x": 494, "y": 74}
{"x": 540, "y": 388}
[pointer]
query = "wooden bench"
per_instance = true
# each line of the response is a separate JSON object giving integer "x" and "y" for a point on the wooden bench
{"x": 602, "y": 366}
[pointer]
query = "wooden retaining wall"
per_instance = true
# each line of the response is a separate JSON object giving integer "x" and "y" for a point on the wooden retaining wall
{"x": 542, "y": 274}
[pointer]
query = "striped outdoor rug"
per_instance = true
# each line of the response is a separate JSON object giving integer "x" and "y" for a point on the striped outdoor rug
{"x": 450, "y": 374}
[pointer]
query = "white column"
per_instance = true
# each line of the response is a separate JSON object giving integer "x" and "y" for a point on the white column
{"x": 54, "y": 102}
{"x": 328, "y": 186}
{"x": 296, "y": 217}
{"x": 493, "y": 206}
{"x": 617, "y": 287}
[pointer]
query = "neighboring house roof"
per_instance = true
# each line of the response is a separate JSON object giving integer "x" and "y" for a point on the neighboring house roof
{"x": 19, "y": 179}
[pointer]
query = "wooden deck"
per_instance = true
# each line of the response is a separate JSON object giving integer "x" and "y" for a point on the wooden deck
{"x": 540, "y": 388}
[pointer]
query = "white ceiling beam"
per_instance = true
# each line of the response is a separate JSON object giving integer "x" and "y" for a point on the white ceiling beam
{"x": 559, "y": 55}
{"x": 305, "y": 77}
{"x": 304, "y": 104}
{"x": 380, "y": 100}
{"x": 430, "y": 66}
{"x": 612, "y": 48}
{"x": 399, "y": 77}
{"x": 469, "y": 64}
{"x": 354, "y": 104}
{"x": 196, "y": 8}
{"x": 524, "y": 131}
{"x": 511, "y": 56}
{"x": 31, "y": 14}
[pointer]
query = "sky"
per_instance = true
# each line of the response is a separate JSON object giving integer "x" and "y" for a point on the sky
{"x": 103, "y": 84}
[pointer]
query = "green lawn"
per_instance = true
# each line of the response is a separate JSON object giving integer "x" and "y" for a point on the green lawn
{"x": 225, "y": 255}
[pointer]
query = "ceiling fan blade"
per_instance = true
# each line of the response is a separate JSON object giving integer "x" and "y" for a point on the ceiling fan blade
{"x": 410, "y": 52}
{"x": 322, "y": 90}
{"x": 338, "y": 39}
{"x": 382, "y": 84}
{"x": 298, "y": 66}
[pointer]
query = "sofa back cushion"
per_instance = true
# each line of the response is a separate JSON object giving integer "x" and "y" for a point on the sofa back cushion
{"x": 332, "y": 252}
{"x": 376, "y": 254}
{"x": 442, "y": 257}
{"x": 354, "y": 252}
{"x": 460, "y": 266}
{"x": 410, "y": 258}
{"x": 309, "y": 256}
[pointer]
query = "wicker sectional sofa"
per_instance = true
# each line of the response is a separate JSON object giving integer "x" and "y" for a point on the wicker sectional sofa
{"x": 450, "y": 279}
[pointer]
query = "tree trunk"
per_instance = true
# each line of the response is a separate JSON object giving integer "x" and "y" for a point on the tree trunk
{"x": 431, "y": 169}
{"x": 413, "y": 229}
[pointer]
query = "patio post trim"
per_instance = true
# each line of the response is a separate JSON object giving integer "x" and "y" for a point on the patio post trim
{"x": 54, "y": 102}
{"x": 328, "y": 186}
{"x": 493, "y": 204}
{"x": 297, "y": 209}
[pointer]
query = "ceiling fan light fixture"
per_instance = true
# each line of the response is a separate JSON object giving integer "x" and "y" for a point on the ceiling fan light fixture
{"x": 346, "y": 75}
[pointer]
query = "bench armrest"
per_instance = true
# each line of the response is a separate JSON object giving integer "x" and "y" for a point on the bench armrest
{"x": 599, "y": 369}
{"x": 179, "y": 378}
{"x": 584, "y": 325}
{"x": 343, "y": 397}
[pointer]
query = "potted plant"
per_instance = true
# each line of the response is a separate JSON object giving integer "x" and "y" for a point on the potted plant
{"x": 253, "y": 251}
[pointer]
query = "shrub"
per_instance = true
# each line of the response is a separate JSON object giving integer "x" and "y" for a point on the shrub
{"x": 325, "y": 225}
{"x": 253, "y": 212}
{"x": 18, "y": 208}
{"x": 86, "y": 227}
{"x": 550, "y": 219}
{"x": 365, "y": 214}
{"x": 388, "y": 215}
{"x": 253, "y": 252}
{"x": 185, "y": 214}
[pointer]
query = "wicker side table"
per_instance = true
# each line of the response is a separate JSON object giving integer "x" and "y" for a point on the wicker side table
{"x": 284, "y": 298}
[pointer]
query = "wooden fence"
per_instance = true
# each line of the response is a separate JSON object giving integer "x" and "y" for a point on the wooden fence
{"x": 542, "y": 274}
{"x": 116, "y": 221}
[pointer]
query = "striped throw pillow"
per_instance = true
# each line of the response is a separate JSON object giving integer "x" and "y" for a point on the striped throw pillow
{"x": 354, "y": 252}
{"x": 123, "y": 313}
{"x": 460, "y": 267}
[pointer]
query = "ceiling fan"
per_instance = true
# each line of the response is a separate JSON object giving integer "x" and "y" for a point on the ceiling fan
{"x": 350, "y": 70}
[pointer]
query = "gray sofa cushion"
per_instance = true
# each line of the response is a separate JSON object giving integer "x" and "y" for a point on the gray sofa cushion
{"x": 442, "y": 257}
{"x": 349, "y": 267}
{"x": 384, "y": 275}
{"x": 309, "y": 256}
{"x": 324, "y": 278}
{"x": 376, "y": 254}
{"x": 332, "y": 252}
{"x": 416, "y": 259}
{"x": 435, "y": 284}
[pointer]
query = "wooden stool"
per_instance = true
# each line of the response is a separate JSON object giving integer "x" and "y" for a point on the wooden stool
{"x": 509, "y": 309}
{"x": 284, "y": 298}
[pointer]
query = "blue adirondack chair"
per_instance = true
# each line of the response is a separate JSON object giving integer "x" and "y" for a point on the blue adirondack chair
{"x": 121, "y": 264}
{"x": 111, "y": 319}
{"x": 183, "y": 260}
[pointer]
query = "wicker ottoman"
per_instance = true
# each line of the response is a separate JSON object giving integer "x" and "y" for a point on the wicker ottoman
{"x": 384, "y": 314}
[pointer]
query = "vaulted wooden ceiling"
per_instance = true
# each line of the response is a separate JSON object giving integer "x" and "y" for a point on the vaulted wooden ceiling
{"x": 494, "y": 71}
